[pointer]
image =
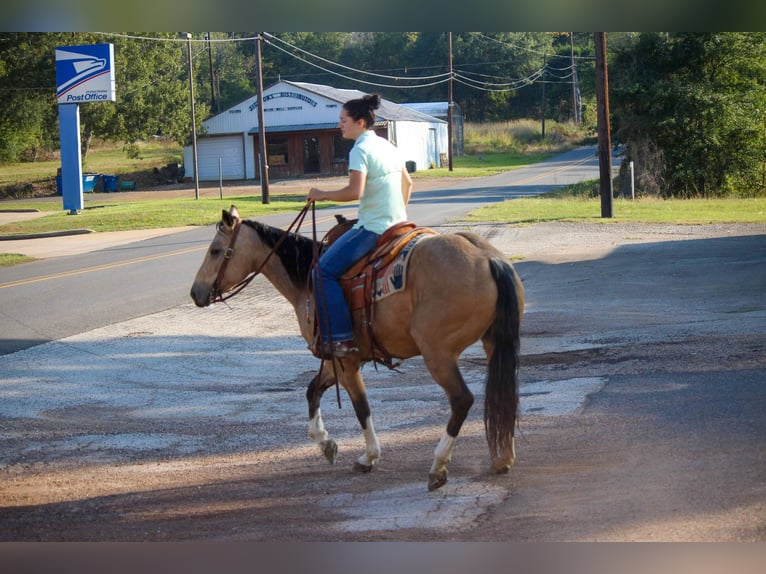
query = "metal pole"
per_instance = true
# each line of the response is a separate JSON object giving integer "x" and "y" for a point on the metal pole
{"x": 449, "y": 109}
{"x": 213, "y": 103}
{"x": 604, "y": 134}
{"x": 542, "y": 104}
{"x": 575, "y": 107}
{"x": 632, "y": 182}
{"x": 262, "y": 124}
{"x": 193, "y": 119}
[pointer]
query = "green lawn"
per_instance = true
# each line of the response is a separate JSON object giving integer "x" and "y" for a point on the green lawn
{"x": 646, "y": 210}
{"x": 107, "y": 158}
{"x": 150, "y": 213}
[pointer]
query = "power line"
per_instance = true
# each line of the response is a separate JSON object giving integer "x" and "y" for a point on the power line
{"x": 269, "y": 36}
{"x": 356, "y": 79}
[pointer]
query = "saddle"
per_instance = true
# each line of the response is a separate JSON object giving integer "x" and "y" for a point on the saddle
{"x": 359, "y": 282}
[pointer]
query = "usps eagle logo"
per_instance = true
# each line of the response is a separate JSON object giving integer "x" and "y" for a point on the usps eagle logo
{"x": 85, "y": 74}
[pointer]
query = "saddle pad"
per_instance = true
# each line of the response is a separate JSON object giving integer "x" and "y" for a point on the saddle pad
{"x": 393, "y": 278}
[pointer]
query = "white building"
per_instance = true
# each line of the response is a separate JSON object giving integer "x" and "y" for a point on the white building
{"x": 441, "y": 110}
{"x": 302, "y": 135}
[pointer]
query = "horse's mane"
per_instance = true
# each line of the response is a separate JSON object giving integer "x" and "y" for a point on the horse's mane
{"x": 296, "y": 251}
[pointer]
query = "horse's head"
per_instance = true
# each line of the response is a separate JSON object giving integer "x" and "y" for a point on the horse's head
{"x": 222, "y": 268}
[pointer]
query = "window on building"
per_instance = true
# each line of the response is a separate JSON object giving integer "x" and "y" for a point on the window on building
{"x": 340, "y": 148}
{"x": 277, "y": 148}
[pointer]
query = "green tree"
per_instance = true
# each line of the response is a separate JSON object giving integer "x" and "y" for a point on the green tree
{"x": 692, "y": 107}
{"x": 152, "y": 92}
{"x": 28, "y": 122}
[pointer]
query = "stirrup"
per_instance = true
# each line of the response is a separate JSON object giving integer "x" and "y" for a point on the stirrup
{"x": 337, "y": 350}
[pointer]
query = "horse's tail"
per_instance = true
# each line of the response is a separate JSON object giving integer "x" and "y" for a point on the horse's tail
{"x": 501, "y": 399}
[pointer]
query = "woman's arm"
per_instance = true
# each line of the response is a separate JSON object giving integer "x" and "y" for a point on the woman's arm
{"x": 351, "y": 192}
{"x": 406, "y": 185}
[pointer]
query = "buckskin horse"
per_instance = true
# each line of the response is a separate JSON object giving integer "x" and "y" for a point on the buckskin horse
{"x": 459, "y": 289}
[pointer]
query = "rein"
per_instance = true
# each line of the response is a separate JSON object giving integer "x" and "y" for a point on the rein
{"x": 218, "y": 295}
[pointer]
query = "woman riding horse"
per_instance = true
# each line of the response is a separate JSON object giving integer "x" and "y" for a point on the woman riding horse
{"x": 379, "y": 181}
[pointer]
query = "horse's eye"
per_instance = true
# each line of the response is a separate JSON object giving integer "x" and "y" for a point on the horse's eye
{"x": 215, "y": 251}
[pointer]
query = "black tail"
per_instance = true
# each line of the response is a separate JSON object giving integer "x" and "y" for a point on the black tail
{"x": 501, "y": 399}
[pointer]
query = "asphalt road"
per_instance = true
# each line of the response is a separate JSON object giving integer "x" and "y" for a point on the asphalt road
{"x": 54, "y": 298}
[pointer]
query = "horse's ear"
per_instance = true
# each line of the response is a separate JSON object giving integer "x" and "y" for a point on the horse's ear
{"x": 230, "y": 217}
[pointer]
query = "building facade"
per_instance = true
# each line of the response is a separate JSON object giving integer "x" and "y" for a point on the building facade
{"x": 302, "y": 135}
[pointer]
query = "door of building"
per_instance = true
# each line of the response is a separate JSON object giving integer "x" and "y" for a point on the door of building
{"x": 311, "y": 163}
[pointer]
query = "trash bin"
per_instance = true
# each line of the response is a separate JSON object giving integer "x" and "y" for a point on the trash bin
{"x": 110, "y": 182}
{"x": 411, "y": 166}
{"x": 89, "y": 181}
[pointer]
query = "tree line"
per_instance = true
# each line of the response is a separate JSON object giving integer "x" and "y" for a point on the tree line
{"x": 688, "y": 109}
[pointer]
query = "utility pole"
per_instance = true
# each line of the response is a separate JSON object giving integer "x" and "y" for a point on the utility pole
{"x": 604, "y": 133}
{"x": 188, "y": 37}
{"x": 449, "y": 109}
{"x": 262, "y": 124}
{"x": 542, "y": 104}
{"x": 209, "y": 39}
{"x": 575, "y": 107}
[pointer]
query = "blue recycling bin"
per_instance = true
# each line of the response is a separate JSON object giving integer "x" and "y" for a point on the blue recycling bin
{"x": 89, "y": 181}
{"x": 110, "y": 182}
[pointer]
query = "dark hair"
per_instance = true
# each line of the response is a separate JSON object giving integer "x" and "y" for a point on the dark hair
{"x": 363, "y": 109}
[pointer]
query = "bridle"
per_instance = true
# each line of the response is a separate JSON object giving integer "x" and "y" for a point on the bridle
{"x": 217, "y": 295}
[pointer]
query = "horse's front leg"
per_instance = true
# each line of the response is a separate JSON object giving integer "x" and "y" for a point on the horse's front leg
{"x": 317, "y": 431}
{"x": 351, "y": 380}
{"x": 354, "y": 385}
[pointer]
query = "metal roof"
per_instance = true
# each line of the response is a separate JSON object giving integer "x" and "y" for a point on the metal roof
{"x": 435, "y": 109}
{"x": 388, "y": 110}
{"x": 295, "y": 128}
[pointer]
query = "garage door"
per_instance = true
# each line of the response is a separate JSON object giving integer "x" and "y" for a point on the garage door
{"x": 230, "y": 151}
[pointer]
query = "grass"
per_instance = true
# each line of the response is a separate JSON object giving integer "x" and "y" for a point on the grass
{"x": 150, "y": 214}
{"x": 104, "y": 157}
{"x": 8, "y": 259}
{"x": 569, "y": 204}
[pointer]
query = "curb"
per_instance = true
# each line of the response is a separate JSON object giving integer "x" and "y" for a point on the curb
{"x": 21, "y": 236}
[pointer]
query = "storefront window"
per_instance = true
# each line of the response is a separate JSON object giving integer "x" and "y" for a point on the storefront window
{"x": 277, "y": 151}
{"x": 340, "y": 148}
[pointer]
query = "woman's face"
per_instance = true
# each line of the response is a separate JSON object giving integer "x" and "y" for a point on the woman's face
{"x": 349, "y": 128}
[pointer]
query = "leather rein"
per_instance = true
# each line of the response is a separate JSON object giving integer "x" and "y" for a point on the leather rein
{"x": 217, "y": 295}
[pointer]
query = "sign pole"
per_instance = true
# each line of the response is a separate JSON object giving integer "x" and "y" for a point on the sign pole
{"x": 71, "y": 157}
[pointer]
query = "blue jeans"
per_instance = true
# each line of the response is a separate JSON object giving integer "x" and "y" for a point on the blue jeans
{"x": 335, "y": 324}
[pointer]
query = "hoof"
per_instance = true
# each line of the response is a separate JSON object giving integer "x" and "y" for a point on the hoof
{"x": 362, "y": 468}
{"x": 330, "y": 450}
{"x": 437, "y": 480}
{"x": 502, "y": 467}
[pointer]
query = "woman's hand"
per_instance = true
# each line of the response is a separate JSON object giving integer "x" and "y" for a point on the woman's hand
{"x": 315, "y": 194}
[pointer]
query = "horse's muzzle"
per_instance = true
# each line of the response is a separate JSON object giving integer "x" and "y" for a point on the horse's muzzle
{"x": 201, "y": 295}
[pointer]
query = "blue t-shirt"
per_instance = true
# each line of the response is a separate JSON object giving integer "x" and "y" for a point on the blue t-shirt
{"x": 381, "y": 204}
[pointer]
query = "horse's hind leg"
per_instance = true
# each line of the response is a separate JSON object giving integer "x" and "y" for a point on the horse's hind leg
{"x": 444, "y": 369}
{"x": 317, "y": 431}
